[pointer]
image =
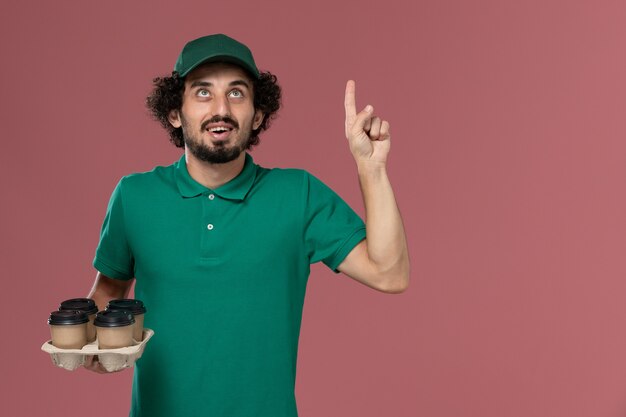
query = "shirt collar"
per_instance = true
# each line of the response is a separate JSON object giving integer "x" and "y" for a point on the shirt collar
{"x": 235, "y": 189}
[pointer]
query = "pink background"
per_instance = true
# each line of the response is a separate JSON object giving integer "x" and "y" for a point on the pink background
{"x": 508, "y": 162}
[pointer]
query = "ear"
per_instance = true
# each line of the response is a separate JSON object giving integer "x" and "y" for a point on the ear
{"x": 258, "y": 119}
{"x": 174, "y": 118}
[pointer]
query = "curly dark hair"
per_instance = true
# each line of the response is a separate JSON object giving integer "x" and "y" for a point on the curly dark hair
{"x": 167, "y": 95}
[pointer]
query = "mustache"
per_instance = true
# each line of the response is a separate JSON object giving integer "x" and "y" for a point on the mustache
{"x": 217, "y": 119}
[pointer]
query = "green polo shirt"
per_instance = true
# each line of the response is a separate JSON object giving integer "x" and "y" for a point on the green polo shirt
{"x": 223, "y": 275}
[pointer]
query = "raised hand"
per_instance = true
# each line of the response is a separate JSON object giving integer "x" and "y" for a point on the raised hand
{"x": 367, "y": 134}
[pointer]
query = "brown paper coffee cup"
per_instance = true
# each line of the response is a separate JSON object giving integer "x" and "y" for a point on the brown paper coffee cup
{"x": 115, "y": 337}
{"x": 136, "y": 307}
{"x": 68, "y": 329}
{"x": 88, "y": 306}
{"x": 114, "y": 329}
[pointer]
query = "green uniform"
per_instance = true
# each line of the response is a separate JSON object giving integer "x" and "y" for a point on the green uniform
{"x": 223, "y": 275}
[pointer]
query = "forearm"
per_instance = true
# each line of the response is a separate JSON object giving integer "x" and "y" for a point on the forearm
{"x": 386, "y": 240}
{"x": 106, "y": 289}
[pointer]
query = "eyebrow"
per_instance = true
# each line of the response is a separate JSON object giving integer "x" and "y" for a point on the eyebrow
{"x": 199, "y": 83}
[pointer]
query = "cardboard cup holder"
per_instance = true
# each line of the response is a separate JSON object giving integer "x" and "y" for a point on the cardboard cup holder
{"x": 111, "y": 359}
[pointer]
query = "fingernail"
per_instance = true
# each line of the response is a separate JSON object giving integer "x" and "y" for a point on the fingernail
{"x": 368, "y": 108}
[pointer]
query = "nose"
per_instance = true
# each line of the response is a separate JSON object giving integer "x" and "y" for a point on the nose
{"x": 221, "y": 106}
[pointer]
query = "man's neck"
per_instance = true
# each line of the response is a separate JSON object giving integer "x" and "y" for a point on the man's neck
{"x": 213, "y": 175}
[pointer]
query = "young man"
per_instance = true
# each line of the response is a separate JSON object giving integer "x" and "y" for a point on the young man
{"x": 220, "y": 248}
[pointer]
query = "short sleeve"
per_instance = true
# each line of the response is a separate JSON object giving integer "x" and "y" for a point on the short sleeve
{"x": 331, "y": 228}
{"x": 113, "y": 256}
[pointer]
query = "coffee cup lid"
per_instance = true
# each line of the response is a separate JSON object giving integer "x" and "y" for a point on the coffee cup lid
{"x": 67, "y": 317}
{"x": 114, "y": 318}
{"x": 84, "y": 304}
{"x": 130, "y": 304}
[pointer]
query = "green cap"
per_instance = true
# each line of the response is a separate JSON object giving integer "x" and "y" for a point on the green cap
{"x": 215, "y": 48}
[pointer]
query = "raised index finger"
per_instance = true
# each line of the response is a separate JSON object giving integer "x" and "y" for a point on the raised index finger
{"x": 350, "y": 101}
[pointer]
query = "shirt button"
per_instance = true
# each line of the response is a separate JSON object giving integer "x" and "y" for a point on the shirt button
{"x": 211, "y": 196}
{"x": 209, "y": 226}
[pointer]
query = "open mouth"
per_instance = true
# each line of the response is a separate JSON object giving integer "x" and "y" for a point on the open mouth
{"x": 220, "y": 132}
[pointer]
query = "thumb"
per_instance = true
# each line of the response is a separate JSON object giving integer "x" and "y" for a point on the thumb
{"x": 361, "y": 118}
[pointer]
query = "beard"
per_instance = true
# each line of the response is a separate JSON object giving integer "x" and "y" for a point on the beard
{"x": 220, "y": 153}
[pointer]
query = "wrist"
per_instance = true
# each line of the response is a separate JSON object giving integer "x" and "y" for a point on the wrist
{"x": 371, "y": 167}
